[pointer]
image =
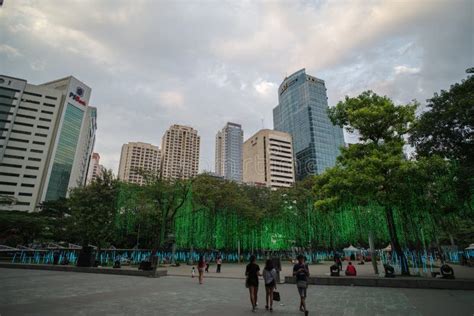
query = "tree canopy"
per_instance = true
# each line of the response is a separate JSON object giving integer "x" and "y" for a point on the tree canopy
{"x": 446, "y": 129}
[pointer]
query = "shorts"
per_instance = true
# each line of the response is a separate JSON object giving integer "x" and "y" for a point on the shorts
{"x": 251, "y": 283}
{"x": 270, "y": 285}
{"x": 201, "y": 269}
{"x": 302, "y": 291}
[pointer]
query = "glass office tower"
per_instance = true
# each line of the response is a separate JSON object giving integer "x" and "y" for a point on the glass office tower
{"x": 65, "y": 153}
{"x": 302, "y": 112}
{"x": 229, "y": 142}
{"x": 75, "y": 138}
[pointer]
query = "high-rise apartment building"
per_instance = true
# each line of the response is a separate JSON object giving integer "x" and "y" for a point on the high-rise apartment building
{"x": 302, "y": 112}
{"x": 95, "y": 168}
{"x": 229, "y": 143}
{"x": 137, "y": 157}
{"x": 268, "y": 159}
{"x": 180, "y": 146}
{"x": 47, "y": 133}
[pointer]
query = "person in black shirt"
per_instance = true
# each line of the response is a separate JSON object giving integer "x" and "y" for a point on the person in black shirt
{"x": 337, "y": 260}
{"x": 301, "y": 272}
{"x": 252, "y": 272}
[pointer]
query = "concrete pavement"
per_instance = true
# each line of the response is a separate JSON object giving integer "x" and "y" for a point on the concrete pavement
{"x": 31, "y": 292}
{"x": 233, "y": 270}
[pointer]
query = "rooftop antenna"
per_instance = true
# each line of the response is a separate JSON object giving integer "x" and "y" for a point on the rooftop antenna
{"x": 263, "y": 125}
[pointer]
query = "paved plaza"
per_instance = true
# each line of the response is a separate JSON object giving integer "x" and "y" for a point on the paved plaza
{"x": 32, "y": 292}
{"x": 237, "y": 270}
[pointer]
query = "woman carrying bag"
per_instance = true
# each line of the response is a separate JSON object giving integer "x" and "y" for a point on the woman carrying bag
{"x": 270, "y": 276}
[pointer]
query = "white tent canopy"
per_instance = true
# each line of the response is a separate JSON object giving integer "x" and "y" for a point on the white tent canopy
{"x": 471, "y": 247}
{"x": 53, "y": 245}
{"x": 351, "y": 249}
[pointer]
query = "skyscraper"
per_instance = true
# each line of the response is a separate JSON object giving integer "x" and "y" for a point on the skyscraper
{"x": 75, "y": 138}
{"x": 47, "y": 133}
{"x": 137, "y": 157}
{"x": 180, "y": 152}
{"x": 229, "y": 143}
{"x": 95, "y": 168}
{"x": 302, "y": 112}
{"x": 268, "y": 159}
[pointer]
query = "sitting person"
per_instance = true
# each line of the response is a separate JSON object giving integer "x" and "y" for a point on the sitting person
{"x": 389, "y": 271}
{"x": 447, "y": 272}
{"x": 334, "y": 269}
{"x": 351, "y": 270}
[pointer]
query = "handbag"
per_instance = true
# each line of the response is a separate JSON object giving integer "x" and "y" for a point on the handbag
{"x": 276, "y": 296}
{"x": 302, "y": 284}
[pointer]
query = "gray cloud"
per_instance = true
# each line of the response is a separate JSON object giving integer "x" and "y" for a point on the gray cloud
{"x": 154, "y": 63}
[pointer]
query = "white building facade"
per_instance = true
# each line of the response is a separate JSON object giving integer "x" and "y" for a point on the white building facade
{"x": 180, "y": 146}
{"x": 268, "y": 159}
{"x": 95, "y": 168}
{"x": 137, "y": 157}
{"x": 47, "y": 135}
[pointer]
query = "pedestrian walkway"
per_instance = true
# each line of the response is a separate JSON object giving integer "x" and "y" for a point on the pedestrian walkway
{"x": 35, "y": 292}
{"x": 232, "y": 270}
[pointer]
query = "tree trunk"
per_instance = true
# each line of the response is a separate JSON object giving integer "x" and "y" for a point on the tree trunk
{"x": 373, "y": 255}
{"x": 396, "y": 248}
{"x": 191, "y": 254}
{"x": 158, "y": 243}
{"x": 238, "y": 250}
{"x": 440, "y": 250}
{"x": 162, "y": 233}
{"x": 451, "y": 239}
{"x": 438, "y": 245}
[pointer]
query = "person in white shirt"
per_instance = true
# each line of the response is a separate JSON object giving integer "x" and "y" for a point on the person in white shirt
{"x": 269, "y": 276}
{"x": 219, "y": 264}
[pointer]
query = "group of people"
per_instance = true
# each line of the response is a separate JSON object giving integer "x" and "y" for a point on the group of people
{"x": 269, "y": 274}
{"x": 350, "y": 269}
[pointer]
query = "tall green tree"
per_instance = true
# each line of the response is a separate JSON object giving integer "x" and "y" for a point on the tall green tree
{"x": 57, "y": 219}
{"x": 94, "y": 209}
{"x": 22, "y": 228}
{"x": 367, "y": 172}
{"x": 219, "y": 196}
{"x": 166, "y": 199}
{"x": 446, "y": 129}
{"x": 298, "y": 202}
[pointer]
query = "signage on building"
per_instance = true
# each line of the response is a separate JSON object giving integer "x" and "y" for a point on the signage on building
{"x": 287, "y": 85}
{"x": 78, "y": 96}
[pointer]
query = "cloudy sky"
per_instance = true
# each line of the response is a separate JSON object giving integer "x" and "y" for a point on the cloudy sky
{"x": 151, "y": 64}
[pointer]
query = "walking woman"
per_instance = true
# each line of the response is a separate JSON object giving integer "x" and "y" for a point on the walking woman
{"x": 252, "y": 272}
{"x": 301, "y": 272}
{"x": 269, "y": 276}
{"x": 201, "y": 266}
